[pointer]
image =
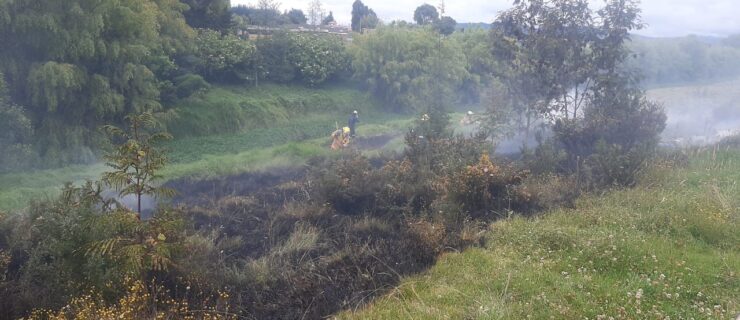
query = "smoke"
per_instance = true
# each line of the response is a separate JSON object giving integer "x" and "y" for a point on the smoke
{"x": 148, "y": 203}
{"x": 699, "y": 114}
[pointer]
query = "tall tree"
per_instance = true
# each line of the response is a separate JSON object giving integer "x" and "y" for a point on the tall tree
{"x": 426, "y": 14}
{"x": 212, "y": 14}
{"x": 329, "y": 19}
{"x": 296, "y": 16}
{"x": 315, "y": 12}
{"x": 268, "y": 12}
{"x": 363, "y": 17}
{"x": 565, "y": 62}
{"x": 544, "y": 62}
{"x": 445, "y": 25}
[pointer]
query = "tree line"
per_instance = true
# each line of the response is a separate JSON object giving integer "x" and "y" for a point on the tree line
{"x": 77, "y": 65}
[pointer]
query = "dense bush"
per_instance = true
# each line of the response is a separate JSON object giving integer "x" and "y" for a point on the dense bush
{"x": 484, "y": 188}
{"x": 66, "y": 247}
{"x": 479, "y": 63}
{"x": 16, "y": 135}
{"x": 311, "y": 59}
{"x": 69, "y": 67}
{"x": 618, "y": 134}
{"x": 224, "y": 58}
{"x": 409, "y": 68}
{"x": 189, "y": 84}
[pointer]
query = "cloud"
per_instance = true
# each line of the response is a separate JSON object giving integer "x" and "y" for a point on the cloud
{"x": 682, "y": 17}
{"x": 665, "y": 18}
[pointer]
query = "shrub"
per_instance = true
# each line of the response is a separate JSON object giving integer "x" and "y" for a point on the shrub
{"x": 483, "y": 188}
{"x": 16, "y": 134}
{"x": 349, "y": 185}
{"x": 79, "y": 242}
{"x": 189, "y": 84}
{"x": 225, "y": 58}
{"x": 611, "y": 144}
{"x": 139, "y": 302}
{"x": 309, "y": 58}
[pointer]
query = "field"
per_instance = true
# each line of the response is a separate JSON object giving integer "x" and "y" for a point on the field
{"x": 666, "y": 249}
{"x": 216, "y": 136}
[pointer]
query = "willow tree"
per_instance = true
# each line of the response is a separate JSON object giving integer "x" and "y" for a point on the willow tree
{"x": 78, "y": 63}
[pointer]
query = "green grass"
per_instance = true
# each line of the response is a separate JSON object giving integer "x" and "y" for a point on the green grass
{"x": 17, "y": 189}
{"x": 232, "y": 130}
{"x": 232, "y": 109}
{"x": 672, "y": 241}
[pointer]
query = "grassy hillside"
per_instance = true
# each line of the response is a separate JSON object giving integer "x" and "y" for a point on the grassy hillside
{"x": 233, "y": 109}
{"x": 230, "y": 130}
{"x": 667, "y": 249}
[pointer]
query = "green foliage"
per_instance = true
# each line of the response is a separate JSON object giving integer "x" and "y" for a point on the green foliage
{"x": 274, "y": 53}
{"x": 481, "y": 64}
{"x": 189, "y": 84}
{"x": 445, "y": 25}
{"x": 16, "y": 135}
{"x": 136, "y": 160}
{"x": 619, "y": 133}
{"x": 363, "y": 17}
{"x": 83, "y": 63}
{"x": 409, "y": 68}
{"x": 573, "y": 73}
{"x": 224, "y": 58}
{"x": 329, "y": 19}
{"x": 692, "y": 59}
{"x": 296, "y": 16}
{"x": 309, "y": 58}
{"x": 317, "y": 58}
{"x": 79, "y": 242}
{"x": 543, "y": 59}
{"x": 266, "y": 14}
{"x": 426, "y": 14}
{"x": 211, "y": 14}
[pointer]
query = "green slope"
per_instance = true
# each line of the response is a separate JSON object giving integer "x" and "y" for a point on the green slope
{"x": 231, "y": 130}
{"x": 667, "y": 249}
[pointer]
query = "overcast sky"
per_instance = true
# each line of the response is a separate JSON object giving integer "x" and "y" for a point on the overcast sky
{"x": 666, "y": 18}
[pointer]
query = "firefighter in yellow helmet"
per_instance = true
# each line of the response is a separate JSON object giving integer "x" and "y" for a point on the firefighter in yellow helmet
{"x": 340, "y": 138}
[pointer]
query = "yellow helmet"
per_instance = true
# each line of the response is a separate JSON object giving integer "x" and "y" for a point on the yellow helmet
{"x": 345, "y": 130}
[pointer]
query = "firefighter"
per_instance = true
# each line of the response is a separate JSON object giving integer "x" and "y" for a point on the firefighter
{"x": 352, "y": 123}
{"x": 340, "y": 138}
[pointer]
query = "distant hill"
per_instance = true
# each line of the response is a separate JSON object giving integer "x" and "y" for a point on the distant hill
{"x": 711, "y": 40}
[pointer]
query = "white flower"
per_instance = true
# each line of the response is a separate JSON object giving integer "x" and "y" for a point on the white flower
{"x": 638, "y": 294}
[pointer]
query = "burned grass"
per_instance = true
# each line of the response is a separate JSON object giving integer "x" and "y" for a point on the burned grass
{"x": 309, "y": 242}
{"x": 285, "y": 257}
